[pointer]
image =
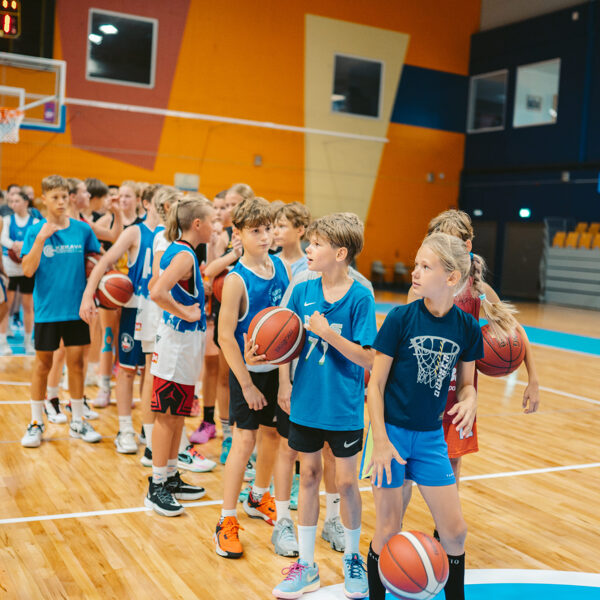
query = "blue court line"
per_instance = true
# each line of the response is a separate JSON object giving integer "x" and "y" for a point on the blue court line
{"x": 542, "y": 337}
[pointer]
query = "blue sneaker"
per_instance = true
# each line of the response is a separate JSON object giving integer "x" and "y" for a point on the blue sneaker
{"x": 299, "y": 578}
{"x": 295, "y": 491}
{"x": 225, "y": 448}
{"x": 356, "y": 584}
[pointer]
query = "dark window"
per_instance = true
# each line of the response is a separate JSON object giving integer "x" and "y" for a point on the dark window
{"x": 356, "y": 86}
{"x": 487, "y": 102}
{"x": 121, "y": 48}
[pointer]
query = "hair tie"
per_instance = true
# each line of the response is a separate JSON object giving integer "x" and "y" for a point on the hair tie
{"x": 471, "y": 255}
{"x": 482, "y": 297}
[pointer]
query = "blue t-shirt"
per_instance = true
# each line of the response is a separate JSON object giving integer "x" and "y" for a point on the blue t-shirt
{"x": 425, "y": 350}
{"x": 60, "y": 276}
{"x": 297, "y": 267}
{"x": 329, "y": 390}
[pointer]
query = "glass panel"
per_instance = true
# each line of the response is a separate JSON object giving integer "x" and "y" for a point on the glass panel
{"x": 121, "y": 49}
{"x": 356, "y": 86}
{"x": 536, "y": 96}
{"x": 487, "y": 102}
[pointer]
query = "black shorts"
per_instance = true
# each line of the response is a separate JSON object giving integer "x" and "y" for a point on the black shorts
{"x": 47, "y": 336}
{"x": 283, "y": 422}
{"x": 309, "y": 439}
{"x": 240, "y": 414}
{"x": 22, "y": 284}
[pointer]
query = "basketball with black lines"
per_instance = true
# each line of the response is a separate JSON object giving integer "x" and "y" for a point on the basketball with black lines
{"x": 413, "y": 565}
{"x": 114, "y": 290}
{"x": 501, "y": 356}
{"x": 279, "y": 334}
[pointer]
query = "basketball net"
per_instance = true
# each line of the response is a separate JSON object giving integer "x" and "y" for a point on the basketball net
{"x": 10, "y": 121}
{"x": 435, "y": 358}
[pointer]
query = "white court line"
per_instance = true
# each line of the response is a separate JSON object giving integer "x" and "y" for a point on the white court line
{"x": 118, "y": 511}
{"x": 561, "y": 393}
{"x": 15, "y": 383}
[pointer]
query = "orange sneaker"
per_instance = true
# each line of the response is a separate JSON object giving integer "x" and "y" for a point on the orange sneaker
{"x": 227, "y": 541}
{"x": 264, "y": 508}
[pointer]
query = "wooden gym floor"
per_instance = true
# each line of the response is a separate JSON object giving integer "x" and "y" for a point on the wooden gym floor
{"x": 73, "y": 525}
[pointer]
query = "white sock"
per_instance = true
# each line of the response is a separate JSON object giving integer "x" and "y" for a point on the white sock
{"x": 77, "y": 409}
{"x": 352, "y": 539}
{"x": 228, "y": 513}
{"x": 171, "y": 467}
{"x": 125, "y": 423}
{"x": 183, "y": 442}
{"x": 257, "y": 493}
{"x": 148, "y": 434}
{"x": 283, "y": 510}
{"x": 52, "y": 392}
{"x": 159, "y": 474}
{"x": 37, "y": 411}
{"x": 105, "y": 383}
{"x": 91, "y": 368}
{"x": 333, "y": 506}
{"x": 306, "y": 543}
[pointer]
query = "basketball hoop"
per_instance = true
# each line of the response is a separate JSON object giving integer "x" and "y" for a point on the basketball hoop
{"x": 10, "y": 121}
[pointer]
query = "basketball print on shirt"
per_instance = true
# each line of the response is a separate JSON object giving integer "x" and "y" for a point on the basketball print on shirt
{"x": 436, "y": 356}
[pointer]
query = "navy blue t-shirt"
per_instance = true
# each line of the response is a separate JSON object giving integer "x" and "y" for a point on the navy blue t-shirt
{"x": 425, "y": 349}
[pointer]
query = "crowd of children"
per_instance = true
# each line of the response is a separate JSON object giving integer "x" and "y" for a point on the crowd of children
{"x": 201, "y": 271}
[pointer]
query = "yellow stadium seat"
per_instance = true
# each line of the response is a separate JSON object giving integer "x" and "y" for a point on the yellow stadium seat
{"x": 596, "y": 242}
{"x": 572, "y": 239}
{"x": 559, "y": 239}
{"x": 585, "y": 241}
{"x": 581, "y": 227}
{"x": 594, "y": 228}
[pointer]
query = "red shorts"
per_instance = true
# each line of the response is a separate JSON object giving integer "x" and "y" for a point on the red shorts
{"x": 459, "y": 446}
{"x": 178, "y": 397}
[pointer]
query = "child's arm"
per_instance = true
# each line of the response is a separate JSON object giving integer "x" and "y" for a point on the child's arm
{"x": 155, "y": 269}
{"x": 284, "y": 392}
{"x": 220, "y": 264}
{"x": 4, "y": 236}
{"x": 383, "y": 450}
{"x": 466, "y": 407}
{"x": 355, "y": 352}
{"x": 109, "y": 233}
{"x": 233, "y": 294}
{"x": 31, "y": 261}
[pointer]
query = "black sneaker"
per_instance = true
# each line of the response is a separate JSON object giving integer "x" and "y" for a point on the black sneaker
{"x": 160, "y": 499}
{"x": 146, "y": 459}
{"x": 182, "y": 490}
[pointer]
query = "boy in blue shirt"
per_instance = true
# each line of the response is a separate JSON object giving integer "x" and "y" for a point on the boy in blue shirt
{"x": 54, "y": 251}
{"x": 339, "y": 315}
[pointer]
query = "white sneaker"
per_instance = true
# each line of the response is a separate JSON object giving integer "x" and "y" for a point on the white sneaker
{"x": 192, "y": 460}
{"x": 102, "y": 400}
{"x": 5, "y": 349}
{"x": 29, "y": 349}
{"x": 125, "y": 442}
{"x": 91, "y": 379}
{"x": 88, "y": 413}
{"x": 33, "y": 435}
{"x": 84, "y": 431}
{"x": 53, "y": 412}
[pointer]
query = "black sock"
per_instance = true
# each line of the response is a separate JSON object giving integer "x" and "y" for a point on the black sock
{"x": 209, "y": 414}
{"x": 297, "y": 467}
{"x": 376, "y": 588}
{"x": 455, "y": 586}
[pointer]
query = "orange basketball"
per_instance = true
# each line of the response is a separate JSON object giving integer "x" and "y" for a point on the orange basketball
{"x": 114, "y": 290}
{"x": 413, "y": 565}
{"x": 501, "y": 356}
{"x": 91, "y": 260}
{"x": 279, "y": 334}
{"x": 217, "y": 284}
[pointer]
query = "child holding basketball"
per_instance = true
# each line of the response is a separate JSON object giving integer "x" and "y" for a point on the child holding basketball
{"x": 54, "y": 251}
{"x": 418, "y": 346}
{"x": 327, "y": 397}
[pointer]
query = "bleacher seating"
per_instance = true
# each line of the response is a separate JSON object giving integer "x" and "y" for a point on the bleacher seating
{"x": 559, "y": 239}
{"x": 572, "y": 239}
{"x": 581, "y": 227}
{"x": 585, "y": 240}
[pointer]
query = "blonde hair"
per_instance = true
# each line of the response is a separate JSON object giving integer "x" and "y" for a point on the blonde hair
{"x": 252, "y": 213}
{"x": 183, "y": 213}
{"x": 54, "y": 182}
{"x": 342, "y": 230}
{"x": 135, "y": 186}
{"x": 454, "y": 256}
{"x": 73, "y": 183}
{"x": 163, "y": 195}
{"x": 295, "y": 212}
{"x": 241, "y": 189}
{"x": 454, "y": 222}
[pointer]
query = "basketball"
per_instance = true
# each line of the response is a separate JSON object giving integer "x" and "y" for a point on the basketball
{"x": 501, "y": 356}
{"x": 91, "y": 260}
{"x": 413, "y": 565}
{"x": 114, "y": 290}
{"x": 218, "y": 282}
{"x": 279, "y": 334}
{"x": 14, "y": 256}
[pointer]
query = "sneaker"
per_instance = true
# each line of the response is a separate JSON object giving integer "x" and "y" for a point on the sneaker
{"x": 53, "y": 412}
{"x": 192, "y": 460}
{"x": 125, "y": 442}
{"x": 142, "y": 436}
{"x": 262, "y": 508}
{"x": 5, "y": 349}
{"x": 225, "y": 448}
{"x": 160, "y": 499}
{"x": 295, "y": 491}
{"x": 84, "y": 431}
{"x": 245, "y": 493}
{"x": 33, "y": 435}
{"x": 355, "y": 577}
{"x": 91, "y": 380}
{"x": 299, "y": 579}
{"x": 250, "y": 472}
{"x": 284, "y": 538}
{"x": 146, "y": 459}
{"x": 333, "y": 532}
{"x": 206, "y": 431}
{"x": 227, "y": 541}
{"x": 88, "y": 413}
{"x": 182, "y": 490}
{"x": 102, "y": 399}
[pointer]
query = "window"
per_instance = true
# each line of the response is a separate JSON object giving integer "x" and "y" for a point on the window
{"x": 536, "y": 96}
{"x": 356, "y": 86}
{"x": 487, "y": 102}
{"x": 121, "y": 48}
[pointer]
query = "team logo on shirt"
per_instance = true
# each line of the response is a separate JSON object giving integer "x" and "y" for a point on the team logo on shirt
{"x": 50, "y": 251}
{"x": 276, "y": 295}
{"x": 126, "y": 342}
{"x": 436, "y": 357}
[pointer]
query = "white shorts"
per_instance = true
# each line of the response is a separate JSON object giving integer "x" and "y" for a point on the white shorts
{"x": 147, "y": 320}
{"x": 178, "y": 355}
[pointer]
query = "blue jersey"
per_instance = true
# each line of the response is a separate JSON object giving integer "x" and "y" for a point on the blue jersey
{"x": 16, "y": 233}
{"x": 329, "y": 390}
{"x": 141, "y": 270}
{"x": 297, "y": 267}
{"x": 60, "y": 276}
{"x": 425, "y": 349}
{"x": 260, "y": 293}
{"x": 188, "y": 292}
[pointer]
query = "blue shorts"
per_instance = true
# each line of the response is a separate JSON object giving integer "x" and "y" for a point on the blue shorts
{"x": 425, "y": 453}
{"x": 130, "y": 350}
